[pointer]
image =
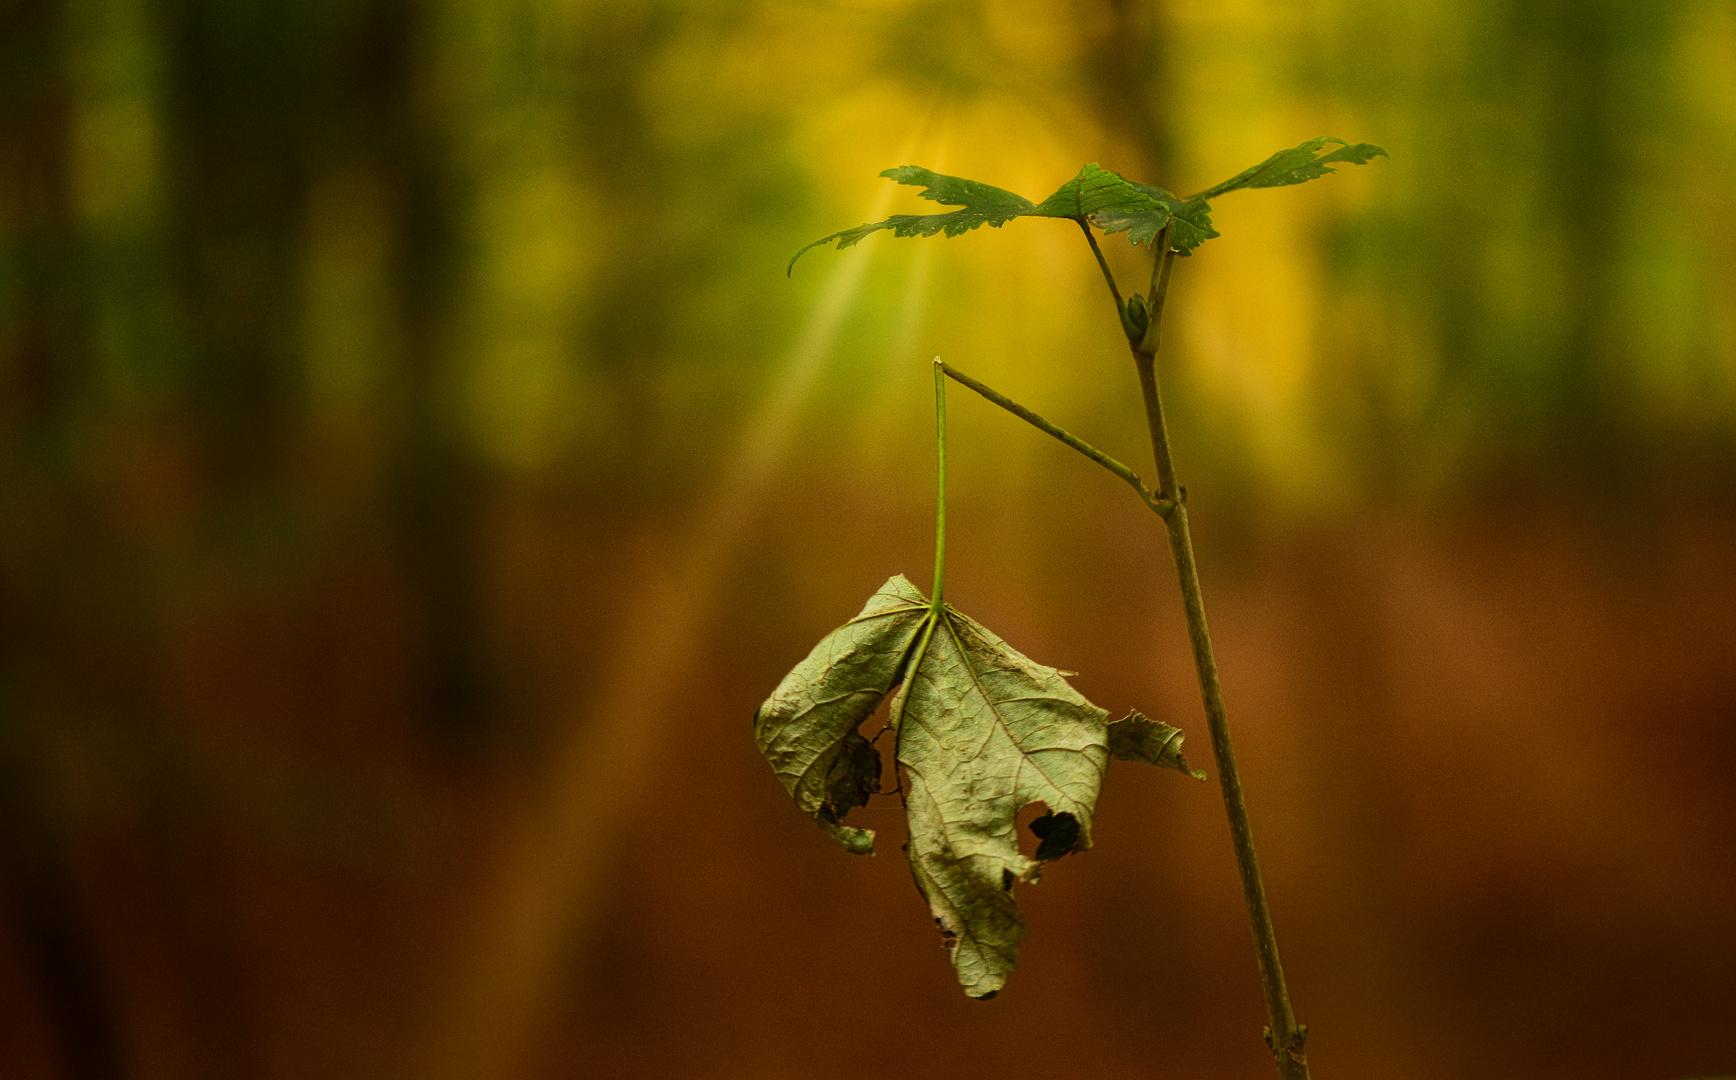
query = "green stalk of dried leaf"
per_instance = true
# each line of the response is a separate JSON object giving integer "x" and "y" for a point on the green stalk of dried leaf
{"x": 981, "y": 733}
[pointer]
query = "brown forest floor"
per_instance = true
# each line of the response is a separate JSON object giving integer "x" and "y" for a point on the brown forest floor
{"x": 1492, "y": 769}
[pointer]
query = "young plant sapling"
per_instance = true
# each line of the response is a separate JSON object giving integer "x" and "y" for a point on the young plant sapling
{"x": 980, "y": 730}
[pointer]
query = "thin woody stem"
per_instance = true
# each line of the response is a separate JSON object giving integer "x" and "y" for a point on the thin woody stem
{"x": 1160, "y": 506}
{"x": 1283, "y": 1034}
{"x": 1160, "y": 268}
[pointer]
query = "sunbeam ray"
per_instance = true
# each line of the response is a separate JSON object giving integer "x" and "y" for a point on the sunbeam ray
{"x": 904, "y": 370}
{"x": 543, "y": 896}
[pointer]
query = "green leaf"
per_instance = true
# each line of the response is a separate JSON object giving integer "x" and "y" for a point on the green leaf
{"x": 1096, "y": 190}
{"x": 1192, "y": 227}
{"x": 983, "y": 732}
{"x": 1295, "y": 166}
{"x": 983, "y": 205}
{"x": 1189, "y": 221}
{"x": 997, "y": 205}
{"x": 1136, "y": 737}
{"x": 1101, "y": 197}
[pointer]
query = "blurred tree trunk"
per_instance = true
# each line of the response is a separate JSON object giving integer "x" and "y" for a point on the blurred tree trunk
{"x": 1126, "y": 52}
{"x": 39, "y": 377}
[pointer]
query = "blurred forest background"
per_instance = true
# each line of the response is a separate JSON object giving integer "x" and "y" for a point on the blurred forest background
{"x": 415, "y": 467}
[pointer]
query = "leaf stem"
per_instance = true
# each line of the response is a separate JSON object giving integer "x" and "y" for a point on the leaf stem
{"x": 936, "y": 610}
{"x": 1102, "y": 264}
{"x": 1160, "y": 268}
{"x": 1283, "y": 1035}
{"x": 1160, "y": 506}
{"x": 940, "y": 483}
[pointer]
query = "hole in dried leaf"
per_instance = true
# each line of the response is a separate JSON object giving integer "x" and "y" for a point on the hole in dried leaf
{"x": 1027, "y": 814}
{"x": 877, "y": 729}
{"x": 1058, "y": 833}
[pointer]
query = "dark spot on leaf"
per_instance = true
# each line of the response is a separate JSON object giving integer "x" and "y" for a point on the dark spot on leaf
{"x": 1058, "y": 833}
{"x": 948, "y": 939}
{"x": 1007, "y": 880}
{"x": 988, "y": 996}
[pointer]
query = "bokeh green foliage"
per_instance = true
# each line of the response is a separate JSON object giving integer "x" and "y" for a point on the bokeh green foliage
{"x": 1552, "y": 264}
{"x": 347, "y": 262}
{"x": 285, "y": 286}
